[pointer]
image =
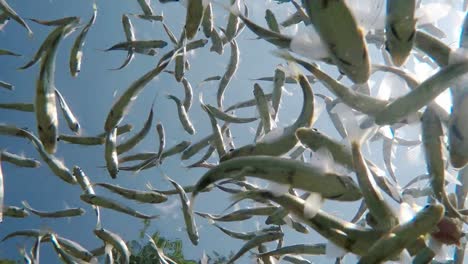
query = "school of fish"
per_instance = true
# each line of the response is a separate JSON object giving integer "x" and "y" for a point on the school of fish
{"x": 360, "y": 60}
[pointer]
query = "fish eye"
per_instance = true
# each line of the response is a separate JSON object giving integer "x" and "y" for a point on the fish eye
{"x": 411, "y": 37}
{"x": 387, "y": 46}
{"x": 394, "y": 32}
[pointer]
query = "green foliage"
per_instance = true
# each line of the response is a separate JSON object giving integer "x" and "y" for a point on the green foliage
{"x": 172, "y": 248}
{"x": 146, "y": 254}
{"x": 7, "y": 261}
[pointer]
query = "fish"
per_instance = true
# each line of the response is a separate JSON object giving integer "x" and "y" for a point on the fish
{"x": 183, "y": 116}
{"x": 123, "y": 103}
{"x": 102, "y": 201}
{"x": 140, "y": 196}
{"x": 138, "y": 137}
{"x": 187, "y": 212}
{"x": 116, "y": 241}
{"x": 76, "y": 53}
{"x": 14, "y": 211}
{"x": 230, "y": 71}
{"x": 24, "y": 107}
{"x": 5, "y": 7}
{"x": 44, "y": 102}
{"x": 193, "y": 18}
{"x": 344, "y": 39}
{"x": 18, "y": 160}
{"x": 72, "y": 122}
{"x": 286, "y": 140}
{"x": 130, "y": 36}
{"x": 110, "y": 153}
{"x": 400, "y": 29}
{"x": 55, "y": 214}
{"x": 284, "y": 171}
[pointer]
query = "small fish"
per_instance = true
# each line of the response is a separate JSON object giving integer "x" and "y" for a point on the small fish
{"x": 345, "y": 40}
{"x": 279, "y": 80}
{"x": 76, "y": 53}
{"x": 315, "y": 140}
{"x": 150, "y": 17}
{"x": 24, "y": 107}
{"x": 11, "y": 13}
{"x": 72, "y": 122}
{"x": 284, "y": 171}
{"x": 56, "y": 214}
{"x": 188, "y": 91}
{"x": 44, "y": 104}
{"x": 271, "y": 21}
{"x": 193, "y": 17}
{"x": 218, "y": 141}
{"x": 20, "y": 161}
{"x": 208, "y": 21}
{"x": 299, "y": 249}
{"x": 420, "y": 96}
{"x": 263, "y": 108}
{"x": 432, "y": 135}
{"x": 123, "y": 103}
{"x": 240, "y": 215}
{"x": 433, "y": 47}
{"x": 139, "y": 44}
{"x": 230, "y": 71}
{"x": 171, "y": 35}
{"x": 404, "y": 235}
{"x": 26, "y": 233}
{"x": 13, "y": 211}
{"x": 248, "y": 103}
{"x": 162, "y": 140}
{"x": 55, "y": 165}
{"x": 4, "y": 19}
{"x": 183, "y": 116}
{"x": 233, "y": 24}
{"x": 140, "y": 196}
{"x": 130, "y": 36}
{"x": 64, "y": 256}
{"x": 217, "y": 42}
{"x": 55, "y": 22}
{"x": 81, "y": 140}
{"x": 256, "y": 241}
{"x": 110, "y": 153}
{"x": 150, "y": 159}
{"x": 7, "y": 86}
{"x": 145, "y": 6}
{"x": 246, "y": 235}
{"x": 135, "y": 139}
{"x": 400, "y": 29}
{"x": 47, "y": 43}
{"x": 180, "y": 59}
{"x": 186, "y": 210}
{"x": 378, "y": 207}
{"x": 286, "y": 140}
{"x": 87, "y": 188}
{"x": 113, "y": 205}
{"x": 4, "y": 52}
{"x": 116, "y": 241}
